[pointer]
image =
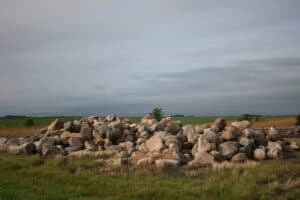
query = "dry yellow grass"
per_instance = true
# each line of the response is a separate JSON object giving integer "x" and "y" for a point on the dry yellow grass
{"x": 282, "y": 122}
{"x": 18, "y": 131}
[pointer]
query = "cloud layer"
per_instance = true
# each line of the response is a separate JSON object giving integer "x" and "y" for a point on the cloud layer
{"x": 192, "y": 57}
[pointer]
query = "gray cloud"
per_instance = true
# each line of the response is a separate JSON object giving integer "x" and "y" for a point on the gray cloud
{"x": 192, "y": 57}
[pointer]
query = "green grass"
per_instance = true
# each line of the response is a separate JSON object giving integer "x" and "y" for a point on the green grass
{"x": 43, "y": 121}
{"x": 32, "y": 177}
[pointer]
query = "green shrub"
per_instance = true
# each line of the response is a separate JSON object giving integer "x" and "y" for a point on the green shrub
{"x": 257, "y": 118}
{"x": 29, "y": 122}
{"x": 157, "y": 113}
{"x": 246, "y": 117}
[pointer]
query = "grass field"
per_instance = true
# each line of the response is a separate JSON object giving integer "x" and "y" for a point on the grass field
{"x": 32, "y": 177}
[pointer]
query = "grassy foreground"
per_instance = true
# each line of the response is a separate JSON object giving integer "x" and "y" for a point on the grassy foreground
{"x": 32, "y": 177}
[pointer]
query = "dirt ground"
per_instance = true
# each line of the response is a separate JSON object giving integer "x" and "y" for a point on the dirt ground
{"x": 282, "y": 122}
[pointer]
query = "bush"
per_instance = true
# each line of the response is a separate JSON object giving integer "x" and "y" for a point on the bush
{"x": 257, "y": 118}
{"x": 157, "y": 113}
{"x": 246, "y": 117}
{"x": 29, "y": 122}
{"x": 298, "y": 120}
{"x": 249, "y": 117}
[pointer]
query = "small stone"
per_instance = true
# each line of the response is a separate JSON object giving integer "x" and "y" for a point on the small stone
{"x": 3, "y": 140}
{"x": 274, "y": 150}
{"x": 274, "y": 134}
{"x": 166, "y": 164}
{"x": 3, "y": 147}
{"x": 217, "y": 156}
{"x": 204, "y": 158}
{"x": 294, "y": 146}
{"x": 239, "y": 157}
{"x": 90, "y": 146}
{"x": 274, "y": 153}
{"x": 48, "y": 149}
{"x": 73, "y": 149}
{"x": 259, "y": 154}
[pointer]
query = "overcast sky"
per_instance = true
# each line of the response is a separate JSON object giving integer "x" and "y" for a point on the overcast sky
{"x": 70, "y": 57}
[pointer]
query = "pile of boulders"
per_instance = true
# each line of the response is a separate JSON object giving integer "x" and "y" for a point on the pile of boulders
{"x": 164, "y": 144}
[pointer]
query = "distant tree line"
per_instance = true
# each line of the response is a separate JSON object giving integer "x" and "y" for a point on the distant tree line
{"x": 14, "y": 116}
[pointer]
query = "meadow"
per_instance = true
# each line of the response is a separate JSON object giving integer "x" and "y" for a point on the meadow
{"x": 35, "y": 177}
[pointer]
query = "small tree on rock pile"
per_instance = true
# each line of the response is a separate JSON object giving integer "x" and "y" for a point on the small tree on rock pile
{"x": 157, "y": 113}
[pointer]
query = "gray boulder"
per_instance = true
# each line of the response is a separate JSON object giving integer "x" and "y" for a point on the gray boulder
{"x": 242, "y": 125}
{"x": 75, "y": 142}
{"x": 13, "y": 141}
{"x": 56, "y": 125}
{"x": 204, "y": 158}
{"x": 239, "y": 157}
{"x": 26, "y": 148}
{"x": 166, "y": 164}
{"x": 3, "y": 140}
{"x": 219, "y": 124}
{"x": 211, "y": 136}
{"x": 190, "y": 133}
{"x": 228, "y": 149}
{"x": 49, "y": 149}
{"x": 274, "y": 134}
{"x": 259, "y": 154}
{"x": 230, "y": 133}
{"x": 86, "y": 131}
{"x": 113, "y": 134}
{"x": 244, "y": 141}
{"x": 155, "y": 144}
{"x": 274, "y": 150}
{"x": 204, "y": 145}
{"x": 3, "y": 147}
